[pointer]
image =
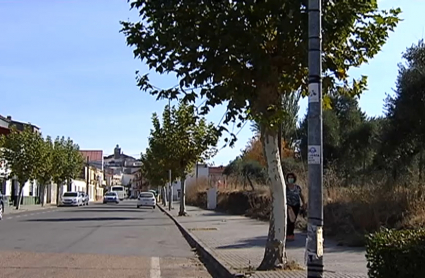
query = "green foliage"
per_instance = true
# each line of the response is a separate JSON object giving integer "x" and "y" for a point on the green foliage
{"x": 290, "y": 106}
{"x": 21, "y": 150}
{"x": 178, "y": 143}
{"x": 244, "y": 52}
{"x": 44, "y": 171}
{"x": 66, "y": 160}
{"x": 59, "y": 161}
{"x": 405, "y": 132}
{"x": 247, "y": 168}
{"x": 154, "y": 169}
{"x": 351, "y": 140}
{"x": 396, "y": 254}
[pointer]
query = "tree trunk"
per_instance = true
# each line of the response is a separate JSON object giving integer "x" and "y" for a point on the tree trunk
{"x": 69, "y": 185}
{"x": 42, "y": 194}
{"x": 164, "y": 196}
{"x": 250, "y": 183}
{"x": 182, "y": 211}
{"x": 421, "y": 164}
{"x": 58, "y": 187}
{"x": 21, "y": 193}
{"x": 275, "y": 247}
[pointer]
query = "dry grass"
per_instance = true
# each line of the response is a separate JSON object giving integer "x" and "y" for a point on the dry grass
{"x": 350, "y": 212}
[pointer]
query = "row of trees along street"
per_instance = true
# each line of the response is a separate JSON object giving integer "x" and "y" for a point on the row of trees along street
{"x": 31, "y": 157}
{"x": 246, "y": 55}
{"x": 177, "y": 144}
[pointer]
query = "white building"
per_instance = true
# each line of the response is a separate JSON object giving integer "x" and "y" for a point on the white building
{"x": 203, "y": 172}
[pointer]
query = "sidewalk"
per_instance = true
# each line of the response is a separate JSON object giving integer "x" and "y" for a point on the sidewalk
{"x": 26, "y": 208}
{"x": 237, "y": 243}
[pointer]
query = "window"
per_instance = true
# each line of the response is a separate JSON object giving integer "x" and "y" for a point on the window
{"x": 146, "y": 195}
{"x": 70, "y": 194}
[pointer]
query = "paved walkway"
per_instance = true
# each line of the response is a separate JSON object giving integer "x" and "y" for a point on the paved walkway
{"x": 238, "y": 243}
{"x": 27, "y": 208}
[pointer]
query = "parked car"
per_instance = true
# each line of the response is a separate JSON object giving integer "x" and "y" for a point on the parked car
{"x": 111, "y": 197}
{"x": 146, "y": 199}
{"x": 86, "y": 198}
{"x": 71, "y": 198}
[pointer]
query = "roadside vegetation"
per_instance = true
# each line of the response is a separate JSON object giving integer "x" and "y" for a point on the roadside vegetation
{"x": 32, "y": 157}
{"x": 374, "y": 167}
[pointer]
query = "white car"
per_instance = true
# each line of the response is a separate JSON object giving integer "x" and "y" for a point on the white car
{"x": 146, "y": 199}
{"x": 72, "y": 199}
{"x": 111, "y": 197}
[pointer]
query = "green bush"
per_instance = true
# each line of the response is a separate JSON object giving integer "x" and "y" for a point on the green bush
{"x": 396, "y": 254}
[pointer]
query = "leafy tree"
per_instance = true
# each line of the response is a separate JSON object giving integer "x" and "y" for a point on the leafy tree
{"x": 44, "y": 171}
{"x": 58, "y": 165}
{"x": 186, "y": 139}
{"x": 22, "y": 151}
{"x": 154, "y": 170}
{"x": 405, "y": 134}
{"x": 249, "y": 53}
{"x": 290, "y": 107}
{"x": 67, "y": 163}
{"x": 74, "y": 162}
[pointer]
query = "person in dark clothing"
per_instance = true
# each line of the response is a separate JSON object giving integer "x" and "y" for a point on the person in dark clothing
{"x": 294, "y": 197}
{"x": 1, "y": 206}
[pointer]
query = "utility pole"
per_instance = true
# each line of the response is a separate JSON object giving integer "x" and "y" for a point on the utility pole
{"x": 314, "y": 246}
{"x": 87, "y": 176}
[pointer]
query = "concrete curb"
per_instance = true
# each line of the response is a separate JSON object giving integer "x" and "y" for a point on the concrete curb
{"x": 213, "y": 264}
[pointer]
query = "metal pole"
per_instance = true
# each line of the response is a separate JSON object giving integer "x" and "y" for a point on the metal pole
{"x": 314, "y": 248}
{"x": 170, "y": 193}
{"x": 88, "y": 176}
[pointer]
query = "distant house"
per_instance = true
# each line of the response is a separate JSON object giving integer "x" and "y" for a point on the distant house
{"x": 21, "y": 125}
{"x": 4, "y": 126}
{"x": 118, "y": 159}
{"x": 122, "y": 166}
{"x": 95, "y": 174}
{"x": 95, "y": 157}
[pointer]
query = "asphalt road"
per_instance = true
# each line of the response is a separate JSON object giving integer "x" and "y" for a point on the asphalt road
{"x": 95, "y": 241}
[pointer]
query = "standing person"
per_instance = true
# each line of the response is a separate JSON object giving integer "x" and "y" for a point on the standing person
{"x": 294, "y": 197}
{"x": 1, "y": 206}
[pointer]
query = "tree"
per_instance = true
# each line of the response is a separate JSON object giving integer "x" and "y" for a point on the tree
{"x": 58, "y": 165}
{"x": 67, "y": 163}
{"x": 22, "y": 151}
{"x": 290, "y": 107}
{"x": 182, "y": 140}
{"x": 44, "y": 171}
{"x": 74, "y": 162}
{"x": 405, "y": 133}
{"x": 249, "y": 53}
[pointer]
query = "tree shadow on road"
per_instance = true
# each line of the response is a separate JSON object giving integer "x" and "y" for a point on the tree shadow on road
{"x": 246, "y": 243}
{"x": 106, "y": 210}
{"x": 298, "y": 243}
{"x": 260, "y": 241}
{"x": 126, "y": 226}
{"x": 82, "y": 219}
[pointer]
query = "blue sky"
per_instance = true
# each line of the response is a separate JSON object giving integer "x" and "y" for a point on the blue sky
{"x": 65, "y": 67}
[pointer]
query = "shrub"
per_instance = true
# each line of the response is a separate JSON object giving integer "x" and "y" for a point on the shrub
{"x": 396, "y": 254}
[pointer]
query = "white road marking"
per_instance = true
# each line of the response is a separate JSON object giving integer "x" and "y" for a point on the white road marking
{"x": 155, "y": 268}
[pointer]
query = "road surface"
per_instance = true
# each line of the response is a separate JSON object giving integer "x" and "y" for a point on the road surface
{"x": 95, "y": 241}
